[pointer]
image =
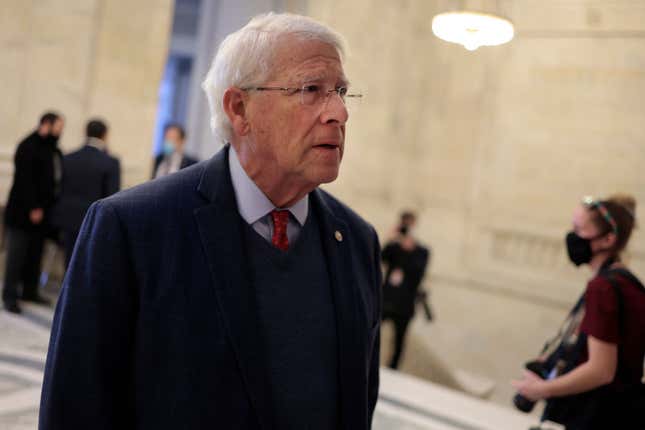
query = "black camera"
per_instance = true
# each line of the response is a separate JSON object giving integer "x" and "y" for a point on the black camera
{"x": 521, "y": 402}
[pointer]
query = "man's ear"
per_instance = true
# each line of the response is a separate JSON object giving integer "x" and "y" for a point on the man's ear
{"x": 234, "y": 104}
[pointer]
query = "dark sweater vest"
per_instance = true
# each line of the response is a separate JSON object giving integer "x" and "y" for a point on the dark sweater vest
{"x": 297, "y": 322}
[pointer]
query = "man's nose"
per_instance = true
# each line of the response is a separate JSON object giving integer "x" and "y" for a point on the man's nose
{"x": 334, "y": 109}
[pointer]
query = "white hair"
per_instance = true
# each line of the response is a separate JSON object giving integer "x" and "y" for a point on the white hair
{"x": 244, "y": 58}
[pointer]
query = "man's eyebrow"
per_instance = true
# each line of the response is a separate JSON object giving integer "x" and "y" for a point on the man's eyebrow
{"x": 341, "y": 81}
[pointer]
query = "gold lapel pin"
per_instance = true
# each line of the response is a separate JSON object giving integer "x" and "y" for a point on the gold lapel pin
{"x": 339, "y": 236}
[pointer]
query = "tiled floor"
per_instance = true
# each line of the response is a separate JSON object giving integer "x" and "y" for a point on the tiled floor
{"x": 22, "y": 359}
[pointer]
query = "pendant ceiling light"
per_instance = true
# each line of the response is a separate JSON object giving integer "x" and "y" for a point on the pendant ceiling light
{"x": 472, "y": 29}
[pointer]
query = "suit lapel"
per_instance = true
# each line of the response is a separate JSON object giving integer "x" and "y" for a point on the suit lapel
{"x": 220, "y": 229}
{"x": 336, "y": 239}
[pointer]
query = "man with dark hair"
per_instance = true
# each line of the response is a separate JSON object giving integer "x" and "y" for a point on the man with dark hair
{"x": 36, "y": 185}
{"x": 96, "y": 129}
{"x": 172, "y": 158}
{"x": 90, "y": 174}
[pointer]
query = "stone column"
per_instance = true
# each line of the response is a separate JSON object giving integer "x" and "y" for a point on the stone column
{"x": 218, "y": 18}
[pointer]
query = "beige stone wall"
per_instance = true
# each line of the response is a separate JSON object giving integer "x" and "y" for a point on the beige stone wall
{"x": 494, "y": 148}
{"x": 83, "y": 58}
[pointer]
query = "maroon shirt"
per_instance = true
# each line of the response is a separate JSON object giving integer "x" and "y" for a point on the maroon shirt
{"x": 601, "y": 321}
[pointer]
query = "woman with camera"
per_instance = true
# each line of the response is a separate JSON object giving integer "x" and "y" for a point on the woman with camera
{"x": 406, "y": 261}
{"x": 593, "y": 379}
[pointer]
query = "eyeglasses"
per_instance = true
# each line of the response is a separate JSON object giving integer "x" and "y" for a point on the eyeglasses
{"x": 311, "y": 95}
{"x": 592, "y": 203}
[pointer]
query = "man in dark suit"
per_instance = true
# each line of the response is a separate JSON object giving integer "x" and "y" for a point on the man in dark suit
{"x": 172, "y": 158}
{"x": 234, "y": 294}
{"x": 90, "y": 174}
{"x": 36, "y": 185}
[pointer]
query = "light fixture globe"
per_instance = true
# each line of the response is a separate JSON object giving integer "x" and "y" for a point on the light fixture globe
{"x": 472, "y": 29}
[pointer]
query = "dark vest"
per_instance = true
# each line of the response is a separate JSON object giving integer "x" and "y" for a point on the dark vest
{"x": 298, "y": 328}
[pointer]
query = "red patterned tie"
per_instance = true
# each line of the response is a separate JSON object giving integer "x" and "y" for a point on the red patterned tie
{"x": 280, "y": 239}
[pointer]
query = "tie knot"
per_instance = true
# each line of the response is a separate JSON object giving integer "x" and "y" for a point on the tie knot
{"x": 280, "y": 218}
{"x": 280, "y": 239}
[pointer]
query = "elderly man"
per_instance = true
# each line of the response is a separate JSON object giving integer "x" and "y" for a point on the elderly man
{"x": 233, "y": 294}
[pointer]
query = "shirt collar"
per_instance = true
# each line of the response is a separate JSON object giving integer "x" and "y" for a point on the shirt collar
{"x": 252, "y": 203}
{"x": 96, "y": 143}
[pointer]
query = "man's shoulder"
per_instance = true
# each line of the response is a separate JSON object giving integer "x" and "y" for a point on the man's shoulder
{"x": 87, "y": 154}
{"x": 29, "y": 142}
{"x": 31, "y": 138}
{"x": 77, "y": 153}
{"x": 171, "y": 191}
{"x": 108, "y": 159}
{"x": 110, "y": 162}
{"x": 114, "y": 160}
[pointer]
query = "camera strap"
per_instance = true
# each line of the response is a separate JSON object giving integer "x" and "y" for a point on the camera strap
{"x": 565, "y": 327}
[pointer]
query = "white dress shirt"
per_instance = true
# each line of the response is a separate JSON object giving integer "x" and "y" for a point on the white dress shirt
{"x": 170, "y": 164}
{"x": 255, "y": 207}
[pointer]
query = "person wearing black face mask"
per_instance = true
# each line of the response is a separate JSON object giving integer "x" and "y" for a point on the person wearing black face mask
{"x": 36, "y": 185}
{"x": 591, "y": 373}
{"x": 406, "y": 261}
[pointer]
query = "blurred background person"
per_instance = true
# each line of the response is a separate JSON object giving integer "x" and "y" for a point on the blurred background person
{"x": 90, "y": 174}
{"x": 36, "y": 185}
{"x": 593, "y": 380}
{"x": 406, "y": 261}
{"x": 172, "y": 159}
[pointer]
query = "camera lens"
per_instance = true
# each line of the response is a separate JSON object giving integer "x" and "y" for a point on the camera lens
{"x": 521, "y": 402}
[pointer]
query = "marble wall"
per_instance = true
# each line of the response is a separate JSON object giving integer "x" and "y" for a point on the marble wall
{"x": 494, "y": 148}
{"x": 83, "y": 58}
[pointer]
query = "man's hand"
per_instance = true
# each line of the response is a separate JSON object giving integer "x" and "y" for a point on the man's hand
{"x": 36, "y": 216}
{"x": 394, "y": 234}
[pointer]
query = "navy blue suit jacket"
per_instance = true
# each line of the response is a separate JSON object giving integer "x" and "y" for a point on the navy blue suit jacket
{"x": 156, "y": 326}
{"x": 89, "y": 174}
